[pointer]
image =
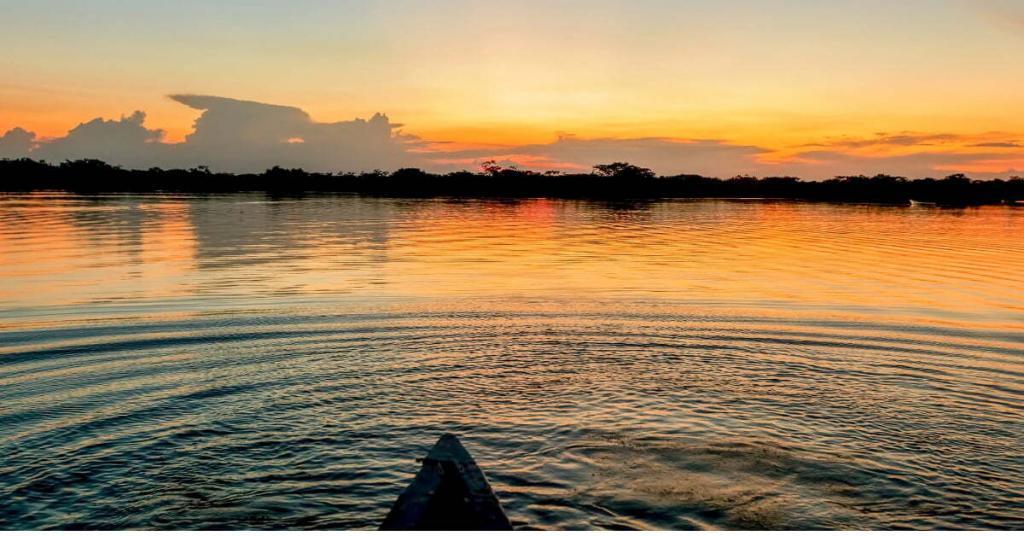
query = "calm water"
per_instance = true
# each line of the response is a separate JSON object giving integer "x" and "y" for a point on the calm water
{"x": 243, "y": 362}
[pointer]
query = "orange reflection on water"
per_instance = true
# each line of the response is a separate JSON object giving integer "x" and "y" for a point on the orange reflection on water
{"x": 62, "y": 250}
{"x": 59, "y": 249}
{"x": 798, "y": 349}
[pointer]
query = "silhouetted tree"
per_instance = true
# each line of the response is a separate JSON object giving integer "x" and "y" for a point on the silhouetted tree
{"x": 618, "y": 182}
{"x": 623, "y": 170}
{"x": 491, "y": 167}
{"x": 410, "y": 174}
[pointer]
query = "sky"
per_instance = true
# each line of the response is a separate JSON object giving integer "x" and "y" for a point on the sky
{"x": 762, "y": 87}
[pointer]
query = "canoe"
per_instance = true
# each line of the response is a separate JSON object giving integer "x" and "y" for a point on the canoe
{"x": 916, "y": 203}
{"x": 449, "y": 493}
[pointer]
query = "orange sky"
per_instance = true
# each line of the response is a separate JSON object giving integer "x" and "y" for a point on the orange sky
{"x": 782, "y": 76}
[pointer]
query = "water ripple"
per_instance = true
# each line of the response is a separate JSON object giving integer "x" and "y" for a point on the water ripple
{"x": 210, "y": 363}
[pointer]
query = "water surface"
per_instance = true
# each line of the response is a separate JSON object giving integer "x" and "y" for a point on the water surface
{"x": 245, "y": 362}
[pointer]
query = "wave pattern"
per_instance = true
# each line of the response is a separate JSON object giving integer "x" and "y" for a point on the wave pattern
{"x": 233, "y": 362}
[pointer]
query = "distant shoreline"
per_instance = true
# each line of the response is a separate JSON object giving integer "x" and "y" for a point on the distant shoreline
{"x": 612, "y": 182}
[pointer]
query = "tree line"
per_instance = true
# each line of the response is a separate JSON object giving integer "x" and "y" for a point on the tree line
{"x": 615, "y": 181}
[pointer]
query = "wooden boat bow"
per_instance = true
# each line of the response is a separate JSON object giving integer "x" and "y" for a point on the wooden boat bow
{"x": 449, "y": 492}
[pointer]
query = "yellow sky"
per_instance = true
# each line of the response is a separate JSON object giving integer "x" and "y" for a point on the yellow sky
{"x": 779, "y": 74}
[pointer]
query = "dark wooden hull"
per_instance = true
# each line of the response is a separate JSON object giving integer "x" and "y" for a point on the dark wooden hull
{"x": 449, "y": 493}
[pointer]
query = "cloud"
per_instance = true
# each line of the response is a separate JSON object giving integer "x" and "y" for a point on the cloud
{"x": 243, "y": 136}
{"x": 1001, "y": 144}
{"x": 918, "y": 139}
{"x": 664, "y": 155}
{"x": 17, "y": 143}
{"x": 1006, "y": 15}
{"x": 902, "y": 139}
{"x": 825, "y": 163}
{"x": 125, "y": 142}
{"x": 238, "y": 136}
{"x": 908, "y": 154}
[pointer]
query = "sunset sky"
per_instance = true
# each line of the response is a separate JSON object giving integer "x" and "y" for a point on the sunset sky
{"x": 813, "y": 88}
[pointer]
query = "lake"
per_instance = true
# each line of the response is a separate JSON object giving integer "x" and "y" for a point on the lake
{"x": 205, "y": 362}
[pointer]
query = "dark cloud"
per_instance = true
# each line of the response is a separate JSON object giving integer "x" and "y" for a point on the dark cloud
{"x": 124, "y": 142}
{"x": 823, "y": 164}
{"x": 236, "y": 135}
{"x": 228, "y": 122}
{"x": 723, "y": 159}
{"x": 664, "y": 155}
{"x": 241, "y": 135}
{"x": 902, "y": 139}
{"x": 17, "y": 143}
{"x": 998, "y": 144}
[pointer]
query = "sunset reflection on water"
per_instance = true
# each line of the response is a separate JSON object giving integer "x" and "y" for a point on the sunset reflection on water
{"x": 186, "y": 362}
